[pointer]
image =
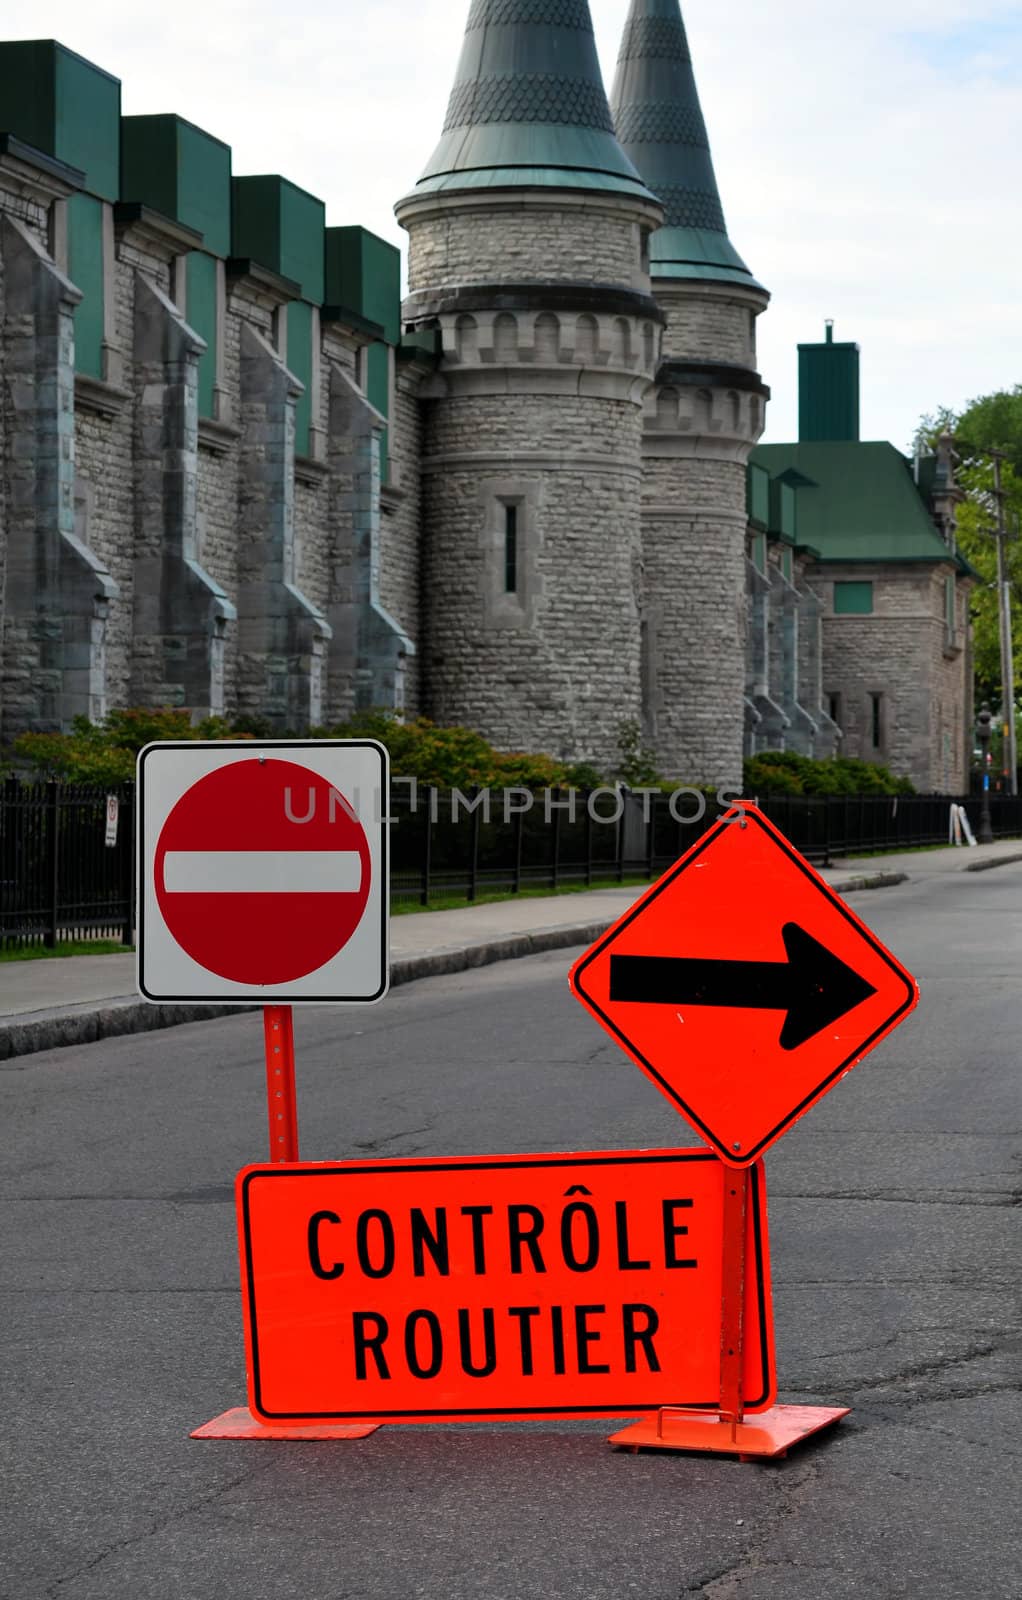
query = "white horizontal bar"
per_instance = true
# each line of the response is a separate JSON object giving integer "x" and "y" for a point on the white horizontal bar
{"x": 262, "y": 872}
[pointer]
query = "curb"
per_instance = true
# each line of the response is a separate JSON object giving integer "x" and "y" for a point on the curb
{"x": 876, "y": 880}
{"x": 90, "y": 1023}
{"x": 988, "y": 866}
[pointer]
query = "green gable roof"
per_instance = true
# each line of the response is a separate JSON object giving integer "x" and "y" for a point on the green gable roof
{"x": 528, "y": 107}
{"x": 859, "y": 502}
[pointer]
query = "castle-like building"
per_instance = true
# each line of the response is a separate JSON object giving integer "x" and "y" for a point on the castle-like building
{"x": 241, "y": 474}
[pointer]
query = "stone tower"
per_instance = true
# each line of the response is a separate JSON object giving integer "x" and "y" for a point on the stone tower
{"x": 702, "y": 419}
{"x": 529, "y": 250}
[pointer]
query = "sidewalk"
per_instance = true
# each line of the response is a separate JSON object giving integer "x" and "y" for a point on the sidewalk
{"x": 79, "y": 999}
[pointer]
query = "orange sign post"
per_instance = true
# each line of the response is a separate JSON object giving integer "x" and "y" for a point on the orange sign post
{"x": 745, "y": 989}
{"x": 486, "y": 1288}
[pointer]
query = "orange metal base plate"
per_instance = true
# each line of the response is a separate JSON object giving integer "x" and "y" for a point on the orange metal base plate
{"x": 241, "y": 1424}
{"x": 768, "y": 1434}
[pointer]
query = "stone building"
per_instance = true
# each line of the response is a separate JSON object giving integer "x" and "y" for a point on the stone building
{"x": 859, "y": 598}
{"x": 240, "y": 475}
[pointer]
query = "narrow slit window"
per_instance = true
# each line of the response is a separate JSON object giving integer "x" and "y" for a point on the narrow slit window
{"x": 511, "y": 549}
{"x": 877, "y": 706}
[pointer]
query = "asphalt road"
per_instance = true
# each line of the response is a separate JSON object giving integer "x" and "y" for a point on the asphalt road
{"x": 894, "y": 1235}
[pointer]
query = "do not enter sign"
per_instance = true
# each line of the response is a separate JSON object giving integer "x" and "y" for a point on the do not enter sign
{"x": 241, "y": 857}
{"x": 262, "y": 872}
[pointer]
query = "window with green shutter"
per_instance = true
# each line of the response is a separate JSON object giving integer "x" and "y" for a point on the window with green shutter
{"x": 85, "y": 269}
{"x": 299, "y": 361}
{"x": 201, "y": 315}
{"x": 853, "y": 599}
{"x": 378, "y": 392}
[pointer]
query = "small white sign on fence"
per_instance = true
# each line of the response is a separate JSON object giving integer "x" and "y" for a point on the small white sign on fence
{"x": 113, "y": 811}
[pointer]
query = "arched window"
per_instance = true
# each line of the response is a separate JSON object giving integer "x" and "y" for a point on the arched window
{"x": 667, "y": 408}
{"x": 466, "y": 338}
{"x": 548, "y": 337}
{"x": 505, "y": 337}
{"x": 587, "y": 338}
{"x": 622, "y": 343}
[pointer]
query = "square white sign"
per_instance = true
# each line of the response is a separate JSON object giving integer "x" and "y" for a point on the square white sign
{"x": 263, "y": 872}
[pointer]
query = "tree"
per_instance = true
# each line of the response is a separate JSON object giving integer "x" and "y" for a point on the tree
{"x": 991, "y": 422}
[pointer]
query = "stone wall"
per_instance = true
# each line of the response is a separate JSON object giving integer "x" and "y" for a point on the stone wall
{"x": 901, "y": 653}
{"x": 531, "y": 460}
{"x": 710, "y": 321}
{"x": 534, "y": 236}
{"x": 693, "y": 550}
{"x": 148, "y": 525}
{"x": 554, "y": 666}
{"x": 401, "y": 574}
{"x": 826, "y": 738}
{"x": 57, "y": 594}
{"x": 105, "y": 519}
{"x": 700, "y": 426}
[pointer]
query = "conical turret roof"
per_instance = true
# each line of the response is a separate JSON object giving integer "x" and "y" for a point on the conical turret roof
{"x": 528, "y": 107}
{"x": 660, "y": 126}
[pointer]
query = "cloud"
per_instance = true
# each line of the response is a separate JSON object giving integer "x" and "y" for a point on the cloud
{"x": 866, "y": 153}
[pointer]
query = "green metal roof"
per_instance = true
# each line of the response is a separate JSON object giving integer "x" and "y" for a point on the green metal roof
{"x": 660, "y": 125}
{"x": 855, "y": 502}
{"x": 528, "y": 107}
{"x": 65, "y": 106}
{"x": 181, "y": 170}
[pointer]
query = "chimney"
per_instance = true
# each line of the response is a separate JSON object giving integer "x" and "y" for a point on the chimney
{"x": 828, "y": 390}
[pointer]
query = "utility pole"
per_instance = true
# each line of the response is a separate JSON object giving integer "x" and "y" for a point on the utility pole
{"x": 1010, "y": 758}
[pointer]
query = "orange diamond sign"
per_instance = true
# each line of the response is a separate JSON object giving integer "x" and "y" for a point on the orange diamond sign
{"x": 743, "y": 986}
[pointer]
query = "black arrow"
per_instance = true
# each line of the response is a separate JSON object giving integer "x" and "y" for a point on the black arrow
{"x": 813, "y": 986}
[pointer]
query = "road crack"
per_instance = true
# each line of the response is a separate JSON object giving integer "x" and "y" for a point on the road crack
{"x": 158, "y": 1526}
{"x": 796, "y": 1486}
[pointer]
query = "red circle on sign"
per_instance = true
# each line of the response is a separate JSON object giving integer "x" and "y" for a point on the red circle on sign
{"x": 228, "y": 893}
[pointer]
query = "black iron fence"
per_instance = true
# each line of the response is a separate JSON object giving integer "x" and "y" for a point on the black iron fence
{"x": 66, "y": 873}
{"x": 59, "y": 878}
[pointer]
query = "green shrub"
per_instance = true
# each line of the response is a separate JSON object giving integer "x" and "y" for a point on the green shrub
{"x": 447, "y": 758}
{"x": 104, "y": 752}
{"x": 451, "y": 758}
{"x": 784, "y": 772}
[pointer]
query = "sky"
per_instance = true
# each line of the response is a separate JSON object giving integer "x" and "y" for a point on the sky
{"x": 867, "y": 154}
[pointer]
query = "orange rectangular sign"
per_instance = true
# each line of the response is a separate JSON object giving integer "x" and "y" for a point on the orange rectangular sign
{"x": 491, "y": 1287}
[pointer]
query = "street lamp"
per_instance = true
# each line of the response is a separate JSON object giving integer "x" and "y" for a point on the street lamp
{"x": 983, "y": 721}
